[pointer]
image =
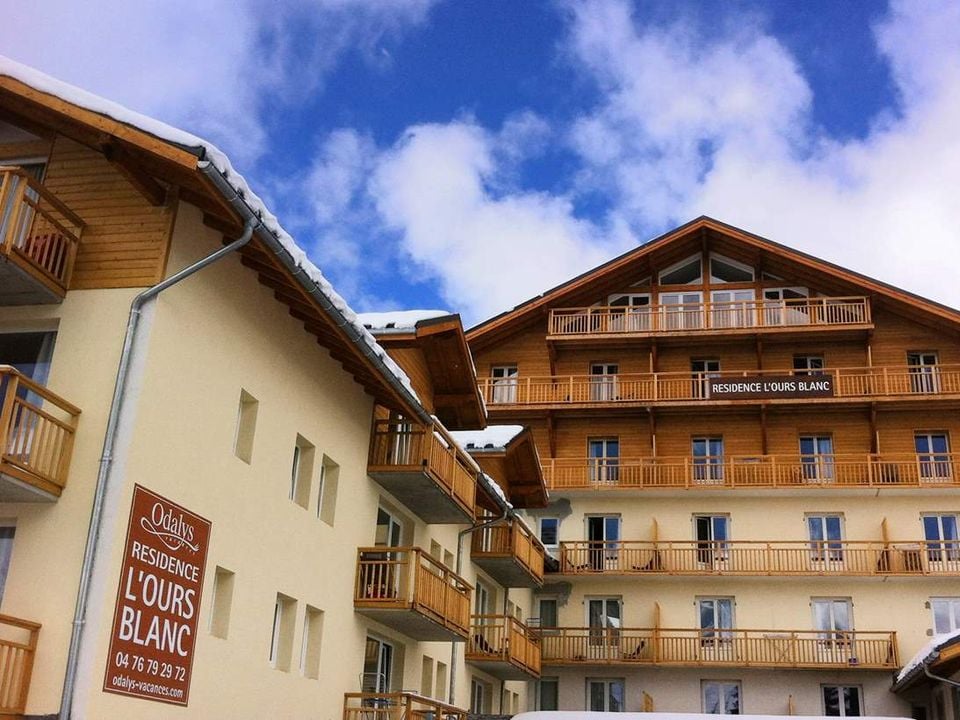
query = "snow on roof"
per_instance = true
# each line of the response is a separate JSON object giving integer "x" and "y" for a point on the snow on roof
{"x": 399, "y": 320}
{"x": 495, "y": 486}
{"x": 928, "y": 652}
{"x": 493, "y": 437}
{"x": 210, "y": 152}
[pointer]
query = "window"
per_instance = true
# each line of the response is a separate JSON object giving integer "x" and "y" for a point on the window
{"x": 426, "y": 676}
{"x": 327, "y": 497}
{"x": 701, "y": 371}
{"x": 504, "y": 383}
{"x": 550, "y": 532}
{"x": 603, "y": 381}
{"x": 281, "y": 637}
{"x": 708, "y": 460}
{"x": 629, "y": 312}
{"x": 826, "y": 535}
{"x": 441, "y": 691}
{"x": 923, "y": 372}
{"x": 715, "y": 618}
{"x": 685, "y": 272}
{"x": 28, "y": 352}
{"x": 548, "y": 694}
{"x": 6, "y": 553}
{"x": 482, "y": 599}
{"x": 246, "y": 426}
{"x": 301, "y": 474}
{"x": 786, "y": 306}
{"x": 712, "y": 533}
{"x": 732, "y": 309}
{"x": 833, "y": 619}
{"x": 940, "y": 533}
{"x": 933, "y": 454}
{"x": 604, "y": 458}
{"x": 548, "y": 612}
{"x": 816, "y": 457}
{"x": 604, "y": 621}
{"x": 946, "y": 614}
{"x": 378, "y": 660}
{"x": 221, "y": 603}
{"x": 606, "y": 695}
{"x": 720, "y": 697}
{"x": 310, "y": 643}
{"x": 603, "y": 536}
{"x": 480, "y": 696}
{"x": 681, "y": 311}
{"x": 808, "y": 365}
{"x": 724, "y": 270}
{"x": 842, "y": 701}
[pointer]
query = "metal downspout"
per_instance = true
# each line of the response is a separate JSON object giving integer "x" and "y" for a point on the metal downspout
{"x": 507, "y": 512}
{"x": 926, "y": 671}
{"x": 106, "y": 458}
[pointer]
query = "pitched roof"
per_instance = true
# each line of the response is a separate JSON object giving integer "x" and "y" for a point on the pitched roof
{"x": 675, "y": 245}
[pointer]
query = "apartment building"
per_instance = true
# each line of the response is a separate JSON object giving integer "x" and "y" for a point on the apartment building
{"x": 753, "y": 495}
{"x": 222, "y": 497}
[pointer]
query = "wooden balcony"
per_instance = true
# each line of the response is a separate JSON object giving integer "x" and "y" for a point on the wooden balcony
{"x": 407, "y": 590}
{"x": 742, "y": 316}
{"x": 425, "y": 470}
{"x": 39, "y": 237}
{"x": 742, "y": 557}
{"x": 36, "y": 432}
{"x": 397, "y": 706}
{"x": 756, "y": 472}
{"x": 18, "y": 645}
{"x": 887, "y": 383}
{"x": 720, "y": 648}
{"x": 509, "y": 553}
{"x": 503, "y": 647}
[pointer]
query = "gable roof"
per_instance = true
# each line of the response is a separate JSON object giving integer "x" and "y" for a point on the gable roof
{"x": 154, "y": 151}
{"x": 677, "y": 244}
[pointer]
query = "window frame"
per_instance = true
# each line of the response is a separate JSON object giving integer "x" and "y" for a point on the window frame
{"x": 704, "y": 684}
{"x": 556, "y": 530}
{"x": 607, "y": 684}
{"x": 841, "y": 706}
{"x": 953, "y": 603}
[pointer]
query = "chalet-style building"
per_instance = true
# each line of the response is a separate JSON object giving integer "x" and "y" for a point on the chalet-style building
{"x": 218, "y": 490}
{"x": 753, "y": 495}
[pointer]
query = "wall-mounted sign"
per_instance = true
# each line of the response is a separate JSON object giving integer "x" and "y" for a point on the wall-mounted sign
{"x": 158, "y": 601}
{"x": 769, "y": 387}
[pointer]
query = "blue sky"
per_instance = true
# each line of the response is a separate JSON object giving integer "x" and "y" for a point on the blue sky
{"x": 468, "y": 154}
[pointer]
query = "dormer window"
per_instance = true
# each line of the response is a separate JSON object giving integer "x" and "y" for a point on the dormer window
{"x": 685, "y": 272}
{"x": 727, "y": 270}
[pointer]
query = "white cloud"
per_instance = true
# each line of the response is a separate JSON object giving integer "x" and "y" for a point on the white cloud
{"x": 721, "y": 125}
{"x": 212, "y": 67}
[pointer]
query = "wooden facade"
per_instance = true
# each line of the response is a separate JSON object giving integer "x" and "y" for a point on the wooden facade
{"x": 614, "y": 373}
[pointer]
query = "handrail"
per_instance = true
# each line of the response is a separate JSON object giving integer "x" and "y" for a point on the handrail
{"x": 409, "y": 578}
{"x": 34, "y": 228}
{"x": 710, "y": 315}
{"x": 401, "y": 445}
{"x": 37, "y": 429}
{"x": 720, "y": 646}
{"x": 503, "y": 638}
{"x": 16, "y": 664}
{"x": 848, "y": 382}
{"x": 510, "y": 539}
{"x": 397, "y": 706}
{"x": 759, "y": 557}
{"x": 868, "y": 470}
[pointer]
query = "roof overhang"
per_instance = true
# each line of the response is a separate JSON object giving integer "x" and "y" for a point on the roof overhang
{"x": 942, "y": 660}
{"x": 516, "y": 468}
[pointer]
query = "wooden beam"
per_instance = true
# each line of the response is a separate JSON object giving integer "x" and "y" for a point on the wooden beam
{"x": 552, "y": 433}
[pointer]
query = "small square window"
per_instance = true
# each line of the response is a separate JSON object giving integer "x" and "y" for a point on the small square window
{"x": 721, "y": 698}
{"x": 221, "y": 603}
{"x": 301, "y": 474}
{"x": 329, "y": 480}
{"x": 246, "y": 426}
{"x": 550, "y": 532}
{"x": 310, "y": 646}
{"x": 281, "y": 635}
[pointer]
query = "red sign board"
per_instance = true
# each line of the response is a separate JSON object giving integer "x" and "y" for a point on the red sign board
{"x": 158, "y": 601}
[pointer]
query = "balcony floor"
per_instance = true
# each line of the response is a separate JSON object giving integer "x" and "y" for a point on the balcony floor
{"x": 18, "y": 287}
{"x": 507, "y": 571}
{"x": 420, "y": 492}
{"x": 413, "y": 624}
{"x": 500, "y": 669}
{"x": 14, "y": 487}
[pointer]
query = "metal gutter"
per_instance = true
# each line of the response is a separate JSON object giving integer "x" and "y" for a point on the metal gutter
{"x": 106, "y": 459}
{"x": 271, "y": 241}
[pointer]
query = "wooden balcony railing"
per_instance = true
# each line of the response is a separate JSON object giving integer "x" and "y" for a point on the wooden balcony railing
{"x": 744, "y": 557}
{"x": 398, "y": 706}
{"x": 818, "y": 312}
{"x": 407, "y": 578}
{"x": 902, "y": 381}
{"x": 509, "y": 540}
{"x": 406, "y": 448}
{"x": 733, "y": 647}
{"x": 501, "y": 638}
{"x": 850, "y": 471}
{"x": 18, "y": 645}
{"x": 37, "y": 231}
{"x": 36, "y": 433}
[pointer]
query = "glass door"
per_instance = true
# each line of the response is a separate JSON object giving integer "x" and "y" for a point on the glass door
{"x": 923, "y": 372}
{"x": 603, "y": 536}
{"x": 606, "y": 695}
{"x": 713, "y": 532}
{"x": 702, "y": 371}
{"x": 681, "y": 311}
{"x": 943, "y": 545}
{"x": 785, "y": 306}
{"x": 377, "y": 669}
{"x": 708, "y": 460}
{"x": 833, "y": 621}
{"x": 826, "y": 535}
{"x": 604, "y": 460}
{"x": 629, "y": 313}
{"x": 933, "y": 456}
{"x": 604, "y": 621}
{"x": 504, "y": 383}
{"x": 816, "y": 457}
{"x": 603, "y": 382}
{"x": 716, "y": 626}
{"x": 731, "y": 309}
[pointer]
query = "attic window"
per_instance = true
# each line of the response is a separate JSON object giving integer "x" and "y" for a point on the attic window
{"x": 724, "y": 270}
{"x": 685, "y": 272}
